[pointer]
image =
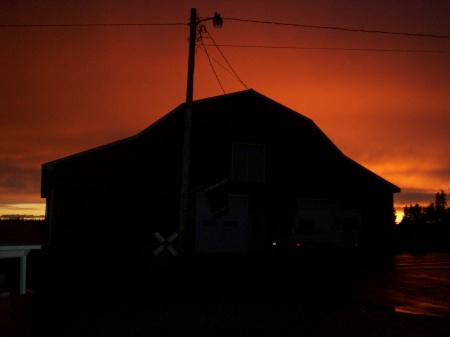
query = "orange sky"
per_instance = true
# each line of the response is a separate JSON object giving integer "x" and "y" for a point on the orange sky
{"x": 68, "y": 89}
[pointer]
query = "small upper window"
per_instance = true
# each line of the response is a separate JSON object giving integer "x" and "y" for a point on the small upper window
{"x": 248, "y": 162}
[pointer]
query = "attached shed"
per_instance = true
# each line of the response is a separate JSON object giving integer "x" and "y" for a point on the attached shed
{"x": 261, "y": 174}
{"x": 17, "y": 239}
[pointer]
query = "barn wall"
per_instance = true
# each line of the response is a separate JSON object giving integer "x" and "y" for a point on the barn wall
{"x": 119, "y": 195}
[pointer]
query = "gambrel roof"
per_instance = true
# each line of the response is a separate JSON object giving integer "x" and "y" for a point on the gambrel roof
{"x": 235, "y": 114}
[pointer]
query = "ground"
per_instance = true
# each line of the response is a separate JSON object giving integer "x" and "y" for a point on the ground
{"x": 223, "y": 296}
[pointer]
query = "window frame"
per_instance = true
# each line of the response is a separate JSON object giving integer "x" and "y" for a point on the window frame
{"x": 238, "y": 176}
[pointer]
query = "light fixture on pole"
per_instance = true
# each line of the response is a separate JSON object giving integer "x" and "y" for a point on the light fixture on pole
{"x": 184, "y": 203}
{"x": 217, "y": 20}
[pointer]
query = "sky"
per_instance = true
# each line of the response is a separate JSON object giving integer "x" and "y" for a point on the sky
{"x": 383, "y": 99}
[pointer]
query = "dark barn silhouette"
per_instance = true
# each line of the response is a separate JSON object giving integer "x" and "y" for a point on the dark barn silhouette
{"x": 262, "y": 176}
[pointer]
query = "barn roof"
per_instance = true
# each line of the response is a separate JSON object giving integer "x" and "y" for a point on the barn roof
{"x": 236, "y": 98}
{"x": 242, "y": 95}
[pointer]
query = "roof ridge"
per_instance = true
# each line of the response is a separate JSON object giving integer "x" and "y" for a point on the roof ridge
{"x": 235, "y": 93}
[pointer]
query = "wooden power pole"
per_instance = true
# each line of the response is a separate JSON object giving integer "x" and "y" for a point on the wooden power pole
{"x": 184, "y": 203}
{"x": 184, "y": 206}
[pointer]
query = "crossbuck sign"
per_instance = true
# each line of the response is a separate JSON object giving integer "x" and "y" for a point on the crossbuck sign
{"x": 165, "y": 244}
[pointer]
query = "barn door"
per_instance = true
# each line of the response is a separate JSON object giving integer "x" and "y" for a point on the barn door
{"x": 225, "y": 234}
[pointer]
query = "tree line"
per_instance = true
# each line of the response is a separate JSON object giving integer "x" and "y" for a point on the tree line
{"x": 426, "y": 227}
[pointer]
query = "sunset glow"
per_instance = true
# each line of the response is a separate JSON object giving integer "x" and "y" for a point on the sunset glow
{"x": 383, "y": 99}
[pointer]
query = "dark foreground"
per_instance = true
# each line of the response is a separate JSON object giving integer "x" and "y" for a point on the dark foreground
{"x": 307, "y": 295}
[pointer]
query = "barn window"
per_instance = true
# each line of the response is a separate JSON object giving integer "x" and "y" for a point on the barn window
{"x": 248, "y": 162}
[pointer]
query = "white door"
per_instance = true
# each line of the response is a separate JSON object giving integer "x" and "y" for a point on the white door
{"x": 225, "y": 234}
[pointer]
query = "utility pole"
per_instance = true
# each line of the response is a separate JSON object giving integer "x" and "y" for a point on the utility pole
{"x": 191, "y": 59}
{"x": 184, "y": 206}
{"x": 184, "y": 202}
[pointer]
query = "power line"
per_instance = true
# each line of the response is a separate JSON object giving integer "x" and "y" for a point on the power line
{"x": 92, "y": 25}
{"x": 233, "y": 19}
{"x": 205, "y": 50}
{"x": 221, "y": 65}
{"x": 201, "y": 28}
{"x": 335, "y": 48}
{"x": 341, "y": 28}
{"x": 228, "y": 63}
{"x": 224, "y": 68}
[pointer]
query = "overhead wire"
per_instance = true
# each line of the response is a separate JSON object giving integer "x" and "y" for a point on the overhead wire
{"x": 202, "y": 46}
{"x": 225, "y": 59}
{"x": 90, "y": 25}
{"x": 335, "y": 48}
{"x": 205, "y": 50}
{"x": 375, "y": 31}
{"x": 221, "y": 65}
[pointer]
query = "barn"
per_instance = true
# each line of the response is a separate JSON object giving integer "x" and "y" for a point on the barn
{"x": 261, "y": 176}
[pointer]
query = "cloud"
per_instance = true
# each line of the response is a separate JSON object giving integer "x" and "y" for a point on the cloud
{"x": 411, "y": 196}
{"x": 65, "y": 90}
{"x": 22, "y": 210}
{"x": 425, "y": 174}
{"x": 18, "y": 207}
{"x": 19, "y": 182}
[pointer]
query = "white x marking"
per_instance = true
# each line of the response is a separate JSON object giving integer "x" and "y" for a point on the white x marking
{"x": 165, "y": 244}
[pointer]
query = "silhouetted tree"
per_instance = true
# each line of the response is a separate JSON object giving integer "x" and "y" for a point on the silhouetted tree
{"x": 429, "y": 214}
{"x": 429, "y": 225}
{"x": 440, "y": 206}
{"x": 413, "y": 213}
